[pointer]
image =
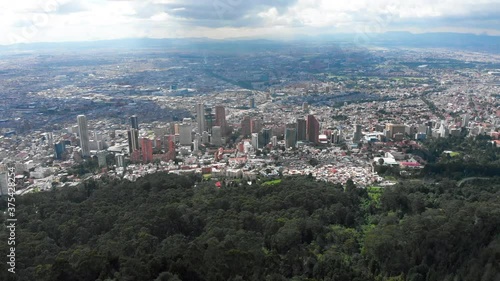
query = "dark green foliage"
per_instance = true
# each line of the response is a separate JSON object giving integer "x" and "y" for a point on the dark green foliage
{"x": 162, "y": 228}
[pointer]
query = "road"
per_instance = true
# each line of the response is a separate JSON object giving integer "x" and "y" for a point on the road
{"x": 471, "y": 178}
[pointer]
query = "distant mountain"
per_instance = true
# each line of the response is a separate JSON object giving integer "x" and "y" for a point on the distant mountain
{"x": 423, "y": 40}
{"x": 390, "y": 39}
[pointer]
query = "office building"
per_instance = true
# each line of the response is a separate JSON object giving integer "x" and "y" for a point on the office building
{"x": 251, "y": 102}
{"x": 392, "y": 129}
{"x": 274, "y": 141}
{"x": 101, "y": 158}
{"x": 220, "y": 119}
{"x": 133, "y": 140}
{"x": 200, "y": 117}
{"x": 465, "y": 120}
{"x": 357, "y": 133}
{"x": 147, "y": 150}
{"x": 290, "y": 137}
{"x": 246, "y": 126}
{"x": 134, "y": 122}
{"x": 49, "y": 137}
{"x": 267, "y": 134}
{"x": 216, "y": 136}
{"x": 301, "y": 129}
{"x": 59, "y": 150}
{"x": 209, "y": 120}
{"x": 84, "y": 135}
{"x": 255, "y": 140}
{"x": 312, "y": 129}
{"x": 305, "y": 106}
{"x": 185, "y": 134}
{"x": 257, "y": 125}
{"x": 120, "y": 160}
{"x": 171, "y": 154}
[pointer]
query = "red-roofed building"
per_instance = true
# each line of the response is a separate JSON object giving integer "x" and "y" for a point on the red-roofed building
{"x": 410, "y": 165}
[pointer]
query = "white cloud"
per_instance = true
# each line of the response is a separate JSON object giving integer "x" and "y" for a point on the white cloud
{"x": 68, "y": 20}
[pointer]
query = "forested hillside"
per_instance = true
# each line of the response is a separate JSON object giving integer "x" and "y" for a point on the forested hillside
{"x": 167, "y": 227}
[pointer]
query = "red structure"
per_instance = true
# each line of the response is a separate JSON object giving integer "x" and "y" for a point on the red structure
{"x": 171, "y": 147}
{"x": 147, "y": 150}
{"x": 220, "y": 119}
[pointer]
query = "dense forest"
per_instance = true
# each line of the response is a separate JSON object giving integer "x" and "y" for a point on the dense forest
{"x": 168, "y": 227}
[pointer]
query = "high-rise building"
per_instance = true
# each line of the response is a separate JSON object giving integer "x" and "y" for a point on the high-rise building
{"x": 357, "y": 133}
{"x": 267, "y": 134}
{"x": 147, "y": 150}
{"x": 274, "y": 141}
{"x": 134, "y": 122}
{"x": 185, "y": 134}
{"x": 49, "y": 138}
{"x": 209, "y": 120}
{"x": 59, "y": 150}
{"x": 257, "y": 125}
{"x": 255, "y": 140}
{"x": 171, "y": 147}
{"x": 101, "y": 158}
{"x": 312, "y": 129}
{"x": 216, "y": 136}
{"x": 251, "y": 102}
{"x": 290, "y": 137}
{"x": 465, "y": 120}
{"x": 393, "y": 129}
{"x": 83, "y": 134}
{"x": 120, "y": 160}
{"x": 220, "y": 119}
{"x": 133, "y": 140}
{"x": 246, "y": 126}
{"x": 200, "y": 117}
{"x": 301, "y": 129}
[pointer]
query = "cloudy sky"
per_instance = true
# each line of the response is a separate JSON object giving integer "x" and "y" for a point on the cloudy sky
{"x": 83, "y": 20}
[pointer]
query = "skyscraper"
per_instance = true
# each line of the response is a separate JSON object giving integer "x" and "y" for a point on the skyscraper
{"x": 120, "y": 160}
{"x": 251, "y": 102}
{"x": 290, "y": 137}
{"x": 185, "y": 134}
{"x": 171, "y": 147}
{"x": 200, "y": 117}
{"x": 84, "y": 135}
{"x": 301, "y": 129}
{"x": 147, "y": 150}
{"x": 220, "y": 118}
{"x": 465, "y": 120}
{"x": 312, "y": 129}
{"x": 209, "y": 120}
{"x": 216, "y": 136}
{"x": 267, "y": 134}
{"x": 59, "y": 150}
{"x": 134, "y": 122}
{"x": 246, "y": 126}
{"x": 133, "y": 140}
{"x": 357, "y": 133}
